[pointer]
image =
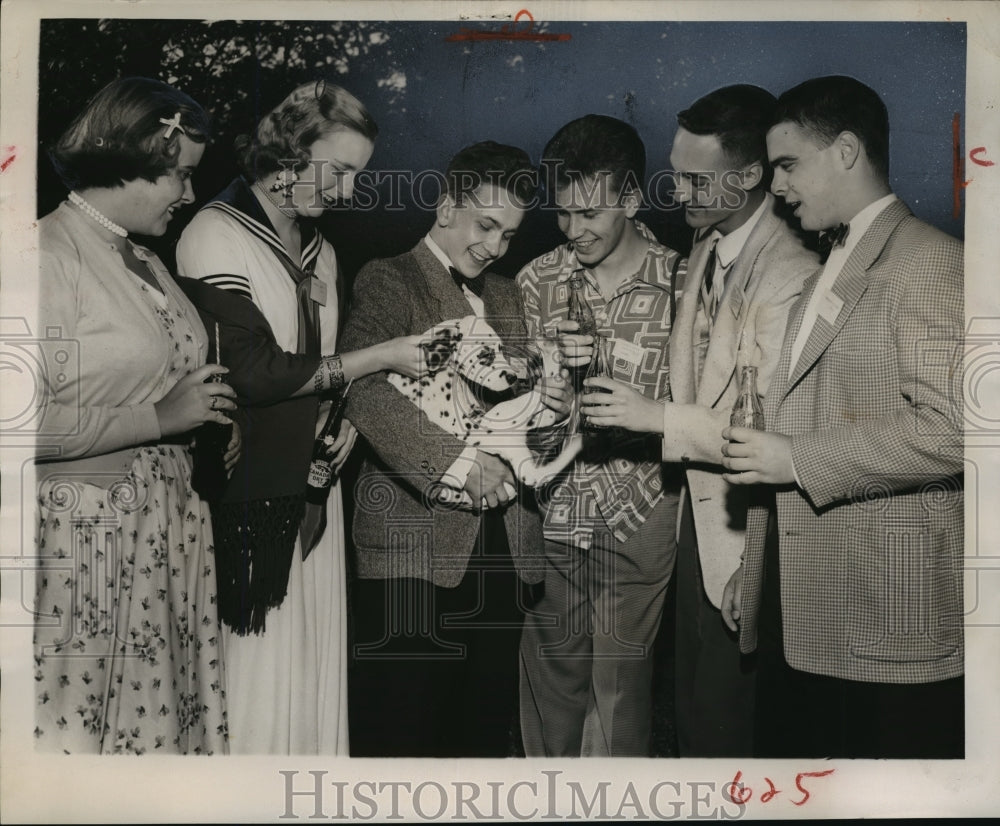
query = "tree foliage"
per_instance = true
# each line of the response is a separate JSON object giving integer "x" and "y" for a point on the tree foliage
{"x": 236, "y": 69}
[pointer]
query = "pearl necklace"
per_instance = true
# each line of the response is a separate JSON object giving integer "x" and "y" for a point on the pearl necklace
{"x": 100, "y": 218}
{"x": 288, "y": 212}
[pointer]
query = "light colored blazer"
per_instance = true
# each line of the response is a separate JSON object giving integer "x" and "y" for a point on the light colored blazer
{"x": 763, "y": 283}
{"x": 397, "y": 529}
{"x": 871, "y": 543}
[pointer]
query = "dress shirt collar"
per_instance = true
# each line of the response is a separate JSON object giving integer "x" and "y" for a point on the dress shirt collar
{"x": 831, "y": 271}
{"x": 732, "y": 244}
{"x": 859, "y": 225}
{"x": 439, "y": 253}
{"x": 475, "y": 301}
{"x": 571, "y": 264}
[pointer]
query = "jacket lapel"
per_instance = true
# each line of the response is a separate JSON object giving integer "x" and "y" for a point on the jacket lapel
{"x": 720, "y": 366}
{"x": 683, "y": 347}
{"x": 440, "y": 286}
{"x": 499, "y": 312}
{"x": 780, "y": 384}
{"x": 849, "y": 286}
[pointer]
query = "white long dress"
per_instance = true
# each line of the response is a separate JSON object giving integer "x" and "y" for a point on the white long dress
{"x": 287, "y": 687}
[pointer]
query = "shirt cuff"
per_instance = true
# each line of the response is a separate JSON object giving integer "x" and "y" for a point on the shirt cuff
{"x": 458, "y": 474}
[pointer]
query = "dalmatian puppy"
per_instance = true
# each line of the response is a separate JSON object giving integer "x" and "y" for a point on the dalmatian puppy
{"x": 465, "y": 357}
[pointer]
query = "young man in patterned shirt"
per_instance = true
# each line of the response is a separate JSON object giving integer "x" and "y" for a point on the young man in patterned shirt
{"x": 586, "y": 651}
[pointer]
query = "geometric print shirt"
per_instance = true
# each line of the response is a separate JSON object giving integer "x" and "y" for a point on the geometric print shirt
{"x": 615, "y": 483}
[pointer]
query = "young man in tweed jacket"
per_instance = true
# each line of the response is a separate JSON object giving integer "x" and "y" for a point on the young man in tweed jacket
{"x": 438, "y": 600}
{"x": 850, "y": 588}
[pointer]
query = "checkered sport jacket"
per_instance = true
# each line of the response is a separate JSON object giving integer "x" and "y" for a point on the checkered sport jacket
{"x": 871, "y": 543}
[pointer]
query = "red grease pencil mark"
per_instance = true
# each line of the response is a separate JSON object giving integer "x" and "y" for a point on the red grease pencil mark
{"x": 801, "y": 788}
{"x": 974, "y": 157}
{"x": 9, "y": 158}
{"x": 508, "y": 32}
{"x": 771, "y": 792}
{"x": 738, "y": 792}
{"x": 741, "y": 794}
{"x": 958, "y": 170}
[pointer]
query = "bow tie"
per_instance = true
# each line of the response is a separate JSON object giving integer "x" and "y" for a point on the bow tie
{"x": 834, "y": 237}
{"x": 476, "y": 285}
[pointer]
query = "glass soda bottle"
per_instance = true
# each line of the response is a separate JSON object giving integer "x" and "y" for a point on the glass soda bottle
{"x": 579, "y": 309}
{"x": 600, "y": 367}
{"x": 748, "y": 411}
{"x": 580, "y": 312}
{"x": 209, "y": 476}
{"x": 320, "y": 477}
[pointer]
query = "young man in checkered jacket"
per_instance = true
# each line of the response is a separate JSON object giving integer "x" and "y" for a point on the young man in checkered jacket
{"x": 851, "y": 584}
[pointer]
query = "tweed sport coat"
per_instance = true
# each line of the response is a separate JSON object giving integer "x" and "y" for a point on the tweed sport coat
{"x": 871, "y": 543}
{"x": 397, "y": 530}
{"x": 763, "y": 283}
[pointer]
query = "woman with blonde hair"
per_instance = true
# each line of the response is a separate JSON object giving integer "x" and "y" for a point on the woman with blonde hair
{"x": 271, "y": 279}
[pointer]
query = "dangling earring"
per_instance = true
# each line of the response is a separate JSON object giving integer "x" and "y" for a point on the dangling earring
{"x": 286, "y": 180}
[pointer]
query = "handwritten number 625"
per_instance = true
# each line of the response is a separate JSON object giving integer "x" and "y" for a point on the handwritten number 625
{"x": 741, "y": 794}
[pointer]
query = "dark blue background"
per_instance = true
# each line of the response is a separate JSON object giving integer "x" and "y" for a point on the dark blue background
{"x": 521, "y": 92}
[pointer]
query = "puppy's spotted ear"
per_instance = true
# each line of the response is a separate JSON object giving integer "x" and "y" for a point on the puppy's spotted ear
{"x": 440, "y": 347}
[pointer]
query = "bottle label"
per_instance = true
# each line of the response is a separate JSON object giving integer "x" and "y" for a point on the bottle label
{"x": 320, "y": 474}
{"x": 746, "y": 417}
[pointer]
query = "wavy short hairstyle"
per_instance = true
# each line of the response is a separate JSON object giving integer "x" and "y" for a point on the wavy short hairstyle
{"x": 311, "y": 112}
{"x": 489, "y": 163}
{"x": 118, "y": 136}
{"x": 827, "y": 106}
{"x": 595, "y": 145}
{"x": 739, "y": 116}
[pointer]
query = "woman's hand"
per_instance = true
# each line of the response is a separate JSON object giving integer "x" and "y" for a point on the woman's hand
{"x": 195, "y": 400}
{"x": 342, "y": 446}
{"x": 233, "y": 449}
{"x": 620, "y": 406}
{"x": 401, "y": 355}
{"x": 406, "y": 356}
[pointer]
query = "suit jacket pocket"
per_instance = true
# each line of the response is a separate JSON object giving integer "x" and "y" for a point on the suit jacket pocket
{"x": 904, "y": 597}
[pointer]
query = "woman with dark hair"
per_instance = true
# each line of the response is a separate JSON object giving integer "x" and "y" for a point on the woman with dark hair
{"x": 126, "y": 635}
{"x": 269, "y": 277}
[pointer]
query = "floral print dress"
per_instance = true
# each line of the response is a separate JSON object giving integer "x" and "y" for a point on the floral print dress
{"x": 127, "y": 652}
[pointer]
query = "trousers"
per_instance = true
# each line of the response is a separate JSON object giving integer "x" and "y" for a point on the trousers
{"x": 434, "y": 670}
{"x": 714, "y": 682}
{"x": 586, "y": 648}
{"x": 800, "y": 714}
